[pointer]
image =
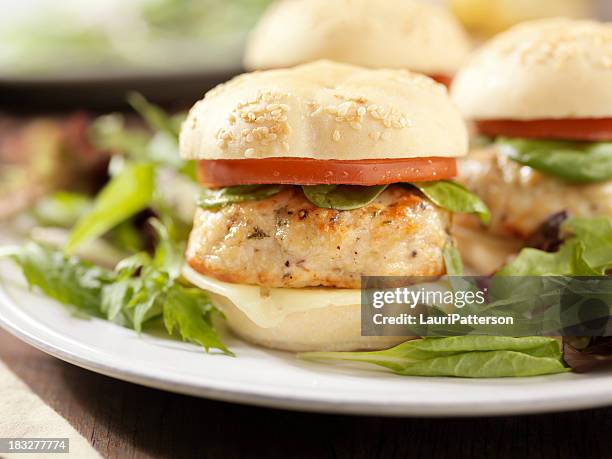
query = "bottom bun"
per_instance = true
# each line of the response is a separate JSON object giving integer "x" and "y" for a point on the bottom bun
{"x": 331, "y": 328}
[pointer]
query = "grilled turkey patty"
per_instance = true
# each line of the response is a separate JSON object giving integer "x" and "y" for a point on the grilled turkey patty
{"x": 286, "y": 241}
{"x": 521, "y": 198}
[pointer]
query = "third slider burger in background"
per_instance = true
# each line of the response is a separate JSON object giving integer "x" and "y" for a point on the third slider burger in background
{"x": 542, "y": 93}
{"x": 313, "y": 177}
{"x": 399, "y": 34}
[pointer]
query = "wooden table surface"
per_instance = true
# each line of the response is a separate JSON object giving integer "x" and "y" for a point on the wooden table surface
{"x": 124, "y": 420}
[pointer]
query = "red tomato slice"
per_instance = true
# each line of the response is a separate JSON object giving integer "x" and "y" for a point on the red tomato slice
{"x": 306, "y": 171}
{"x": 444, "y": 79}
{"x": 596, "y": 129}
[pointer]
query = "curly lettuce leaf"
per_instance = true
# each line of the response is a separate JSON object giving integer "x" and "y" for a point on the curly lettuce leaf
{"x": 462, "y": 356}
{"x": 67, "y": 280}
{"x": 587, "y": 251}
{"x": 139, "y": 290}
{"x": 191, "y": 313}
{"x": 577, "y": 162}
{"x": 596, "y": 237}
{"x": 533, "y": 262}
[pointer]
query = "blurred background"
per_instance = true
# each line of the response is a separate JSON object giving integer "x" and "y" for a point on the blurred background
{"x": 65, "y": 64}
{"x": 484, "y": 18}
{"x": 76, "y": 53}
{"x": 56, "y": 53}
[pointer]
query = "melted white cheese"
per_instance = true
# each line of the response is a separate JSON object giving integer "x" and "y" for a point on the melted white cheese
{"x": 267, "y": 307}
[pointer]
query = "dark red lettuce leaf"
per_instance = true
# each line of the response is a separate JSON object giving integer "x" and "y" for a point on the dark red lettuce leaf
{"x": 547, "y": 236}
{"x": 585, "y": 354}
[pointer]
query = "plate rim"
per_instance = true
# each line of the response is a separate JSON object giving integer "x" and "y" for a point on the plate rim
{"x": 209, "y": 389}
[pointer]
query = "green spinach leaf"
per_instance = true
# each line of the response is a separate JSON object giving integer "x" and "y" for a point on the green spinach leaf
{"x": 462, "y": 356}
{"x": 577, "y": 162}
{"x": 454, "y": 197}
{"x": 215, "y": 199}
{"x": 342, "y": 197}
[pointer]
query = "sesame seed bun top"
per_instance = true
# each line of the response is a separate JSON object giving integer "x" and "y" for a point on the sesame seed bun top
{"x": 325, "y": 110}
{"x": 406, "y": 34}
{"x": 546, "y": 69}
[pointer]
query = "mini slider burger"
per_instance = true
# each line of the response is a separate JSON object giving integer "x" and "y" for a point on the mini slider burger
{"x": 313, "y": 177}
{"x": 542, "y": 93}
{"x": 404, "y": 34}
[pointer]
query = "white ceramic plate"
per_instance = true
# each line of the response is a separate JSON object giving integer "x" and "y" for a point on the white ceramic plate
{"x": 276, "y": 379}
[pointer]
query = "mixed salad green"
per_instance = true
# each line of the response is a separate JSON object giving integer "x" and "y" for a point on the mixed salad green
{"x": 586, "y": 251}
{"x": 137, "y": 217}
{"x": 141, "y": 289}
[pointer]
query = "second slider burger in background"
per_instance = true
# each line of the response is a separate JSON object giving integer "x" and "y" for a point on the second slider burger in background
{"x": 542, "y": 93}
{"x": 316, "y": 176}
{"x": 401, "y": 34}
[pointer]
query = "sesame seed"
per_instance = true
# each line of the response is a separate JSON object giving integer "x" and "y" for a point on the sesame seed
{"x": 249, "y": 152}
{"x": 344, "y": 108}
{"x": 563, "y": 43}
{"x": 336, "y": 135}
